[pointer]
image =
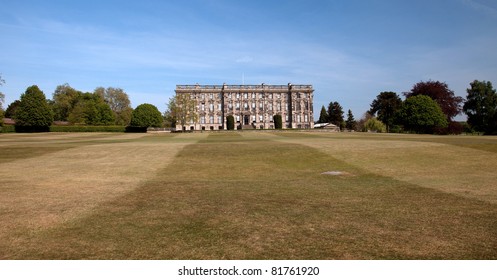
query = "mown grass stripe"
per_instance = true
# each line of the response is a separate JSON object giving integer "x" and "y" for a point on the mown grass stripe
{"x": 225, "y": 198}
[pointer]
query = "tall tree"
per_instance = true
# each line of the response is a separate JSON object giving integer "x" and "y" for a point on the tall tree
{"x": 421, "y": 114}
{"x": 323, "y": 115}
{"x": 335, "y": 114}
{"x": 350, "y": 123}
{"x": 183, "y": 109}
{"x": 119, "y": 103}
{"x": 450, "y": 104}
{"x": 64, "y": 99}
{"x": 33, "y": 113}
{"x": 481, "y": 107}
{"x": 2, "y": 100}
{"x": 386, "y": 105}
{"x": 91, "y": 109}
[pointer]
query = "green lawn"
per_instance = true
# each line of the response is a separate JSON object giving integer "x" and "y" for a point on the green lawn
{"x": 250, "y": 195}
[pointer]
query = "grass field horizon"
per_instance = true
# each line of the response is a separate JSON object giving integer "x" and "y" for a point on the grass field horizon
{"x": 247, "y": 195}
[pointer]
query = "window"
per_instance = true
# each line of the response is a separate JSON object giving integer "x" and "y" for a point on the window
{"x": 253, "y": 118}
{"x": 253, "y": 95}
{"x": 261, "y": 105}
{"x": 219, "y": 119}
{"x": 211, "y": 96}
{"x": 229, "y": 95}
{"x": 245, "y": 95}
{"x": 253, "y": 105}
{"x": 211, "y": 119}
{"x": 278, "y": 106}
{"x": 237, "y": 95}
{"x": 305, "y": 118}
{"x": 238, "y": 118}
{"x": 230, "y": 106}
{"x": 270, "y": 106}
{"x": 245, "y": 105}
{"x": 219, "y": 106}
{"x": 202, "y": 107}
{"x": 202, "y": 119}
{"x": 237, "y": 105}
{"x": 261, "y": 118}
{"x": 211, "y": 107}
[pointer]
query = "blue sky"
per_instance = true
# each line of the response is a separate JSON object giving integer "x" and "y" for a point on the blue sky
{"x": 348, "y": 50}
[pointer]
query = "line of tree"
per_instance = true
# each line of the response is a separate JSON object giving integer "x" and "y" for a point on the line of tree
{"x": 33, "y": 112}
{"x": 104, "y": 106}
{"x": 430, "y": 107}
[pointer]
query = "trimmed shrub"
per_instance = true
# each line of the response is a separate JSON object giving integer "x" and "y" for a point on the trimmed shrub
{"x": 230, "y": 122}
{"x": 278, "y": 121}
{"x": 89, "y": 128}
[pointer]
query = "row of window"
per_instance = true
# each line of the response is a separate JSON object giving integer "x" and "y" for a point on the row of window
{"x": 246, "y": 95}
{"x": 296, "y": 106}
{"x": 296, "y": 118}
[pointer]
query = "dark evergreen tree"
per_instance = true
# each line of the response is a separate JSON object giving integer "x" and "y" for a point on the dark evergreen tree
{"x": 350, "y": 123}
{"x": 323, "y": 115}
{"x": 386, "y": 105}
{"x": 335, "y": 114}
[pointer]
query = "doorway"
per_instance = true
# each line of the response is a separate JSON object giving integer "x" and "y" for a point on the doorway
{"x": 246, "y": 120}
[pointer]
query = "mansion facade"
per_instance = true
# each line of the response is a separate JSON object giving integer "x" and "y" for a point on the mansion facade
{"x": 252, "y": 106}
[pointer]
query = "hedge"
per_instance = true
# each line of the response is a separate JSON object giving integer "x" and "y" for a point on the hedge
{"x": 90, "y": 128}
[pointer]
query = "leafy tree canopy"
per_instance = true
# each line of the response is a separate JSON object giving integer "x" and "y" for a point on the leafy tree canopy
{"x": 440, "y": 92}
{"x": 386, "y": 105}
{"x": 422, "y": 114}
{"x": 33, "y": 110}
{"x": 146, "y": 115}
{"x": 481, "y": 107}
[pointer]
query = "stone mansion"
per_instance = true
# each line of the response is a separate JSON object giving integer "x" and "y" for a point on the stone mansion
{"x": 252, "y": 106}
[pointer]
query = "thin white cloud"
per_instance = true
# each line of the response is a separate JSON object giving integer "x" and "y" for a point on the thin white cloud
{"x": 489, "y": 8}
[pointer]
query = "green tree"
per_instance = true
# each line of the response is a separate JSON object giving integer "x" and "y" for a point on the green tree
{"x": 278, "y": 121}
{"x": 119, "y": 103}
{"x": 335, "y": 114}
{"x": 183, "y": 109}
{"x": 64, "y": 99}
{"x": 11, "y": 109}
{"x": 2, "y": 100}
{"x": 440, "y": 92}
{"x": 481, "y": 107}
{"x": 91, "y": 109}
{"x": 230, "y": 122}
{"x": 33, "y": 113}
{"x": 146, "y": 115}
{"x": 350, "y": 123}
{"x": 421, "y": 114}
{"x": 374, "y": 125}
{"x": 386, "y": 105}
{"x": 323, "y": 115}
